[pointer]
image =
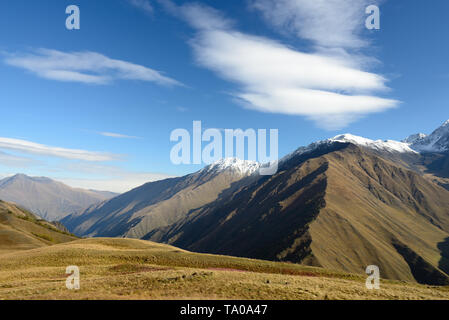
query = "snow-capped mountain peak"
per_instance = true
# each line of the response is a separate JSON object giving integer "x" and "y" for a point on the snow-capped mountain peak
{"x": 438, "y": 141}
{"x": 414, "y": 138}
{"x": 391, "y": 146}
{"x": 243, "y": 167}
{"x": 379, "y": 145}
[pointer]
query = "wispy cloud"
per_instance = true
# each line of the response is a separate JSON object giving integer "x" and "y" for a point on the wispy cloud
{"x": 182, "y": 109}
{"x": 329, "y": 86}
{"x": 327, "y": 23}
{"x": 144, "y": 5}
{"x": 84, "y": 67}
{"x": 44, "y": 150}
{"x": 15, "y": 161}
{"x": 77, "y": 168}
{"x": 118, "y": 135}
{"x": 105, "y": 177}
{"x": 119, "y": 185}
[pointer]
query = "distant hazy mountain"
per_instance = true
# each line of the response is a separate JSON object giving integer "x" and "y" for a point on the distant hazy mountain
{"x": 47, "y": 198}
{"x": 342, "y": 203}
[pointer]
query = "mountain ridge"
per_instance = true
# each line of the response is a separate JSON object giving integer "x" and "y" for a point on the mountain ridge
{"x": 317, "y": 204}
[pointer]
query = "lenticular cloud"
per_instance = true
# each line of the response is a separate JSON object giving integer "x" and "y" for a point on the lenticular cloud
{"x": 328, "y": 85}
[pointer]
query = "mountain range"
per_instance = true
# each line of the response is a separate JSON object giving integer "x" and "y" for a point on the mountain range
{"x": 47, "y": 198}
{"x": 342, "y": 203}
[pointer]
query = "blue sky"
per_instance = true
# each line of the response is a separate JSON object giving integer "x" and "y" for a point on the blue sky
{"x": 95, "y": 107}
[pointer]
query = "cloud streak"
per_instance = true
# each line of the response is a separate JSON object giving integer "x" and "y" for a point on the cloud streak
{"x": 11, "y": 160}
{"x": 117, "y": 135}
{"x": 144, "y": 5}
{"x": 327, "y": 23}
{"x": 85, "y": 67}
{"x": 329, "y": 85}
{"x": 107, "y": 177}
{"x": 44, "y": 150}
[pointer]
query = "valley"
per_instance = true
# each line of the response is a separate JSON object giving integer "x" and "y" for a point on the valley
{"x": 225, "y": 232}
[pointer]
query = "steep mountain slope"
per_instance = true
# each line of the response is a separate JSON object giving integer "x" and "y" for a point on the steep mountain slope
{"x": 22, "y": 230}
{"x": 339, "y": 206}
{"x": 47, "y": 198}
{"x": 161, "y": 203}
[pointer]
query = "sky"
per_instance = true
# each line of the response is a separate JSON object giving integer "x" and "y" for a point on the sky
{"x": 95, "y": 107}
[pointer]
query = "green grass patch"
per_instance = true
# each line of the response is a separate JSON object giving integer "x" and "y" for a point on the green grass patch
{"x": 43, "y": 236}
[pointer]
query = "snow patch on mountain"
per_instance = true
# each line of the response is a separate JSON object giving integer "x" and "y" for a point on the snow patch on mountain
{"x": 414, "y": 138}
{"x": 438, "y": 141}
{"x": 391, "y": 146}
{"x": 243, "y": 167}
{"x": 379, "y": 145}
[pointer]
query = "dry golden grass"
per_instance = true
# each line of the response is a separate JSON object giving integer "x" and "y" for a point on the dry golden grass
{"x": 21, "y": 230}
{"x": 136, "y": 269}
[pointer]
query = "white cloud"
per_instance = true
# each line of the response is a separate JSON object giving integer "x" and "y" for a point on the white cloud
{"x": 145, "y": 5}
{"x": 85, "y": 67}
{"x": 205, "y": 18}
{"x": 41, "y": 149}
{"x": 328, "y": 23}
{"x": 117, "y": 135}
{"x": 329, "y": 86}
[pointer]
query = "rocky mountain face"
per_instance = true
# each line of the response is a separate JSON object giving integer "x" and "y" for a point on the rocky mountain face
{"x": 49, "y": 199}
{"x": 343, "y": 203}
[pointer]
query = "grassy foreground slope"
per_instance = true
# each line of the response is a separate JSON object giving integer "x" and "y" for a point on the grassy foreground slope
{"x": 22, "y": 230}
{"x": 137, "y": 269}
